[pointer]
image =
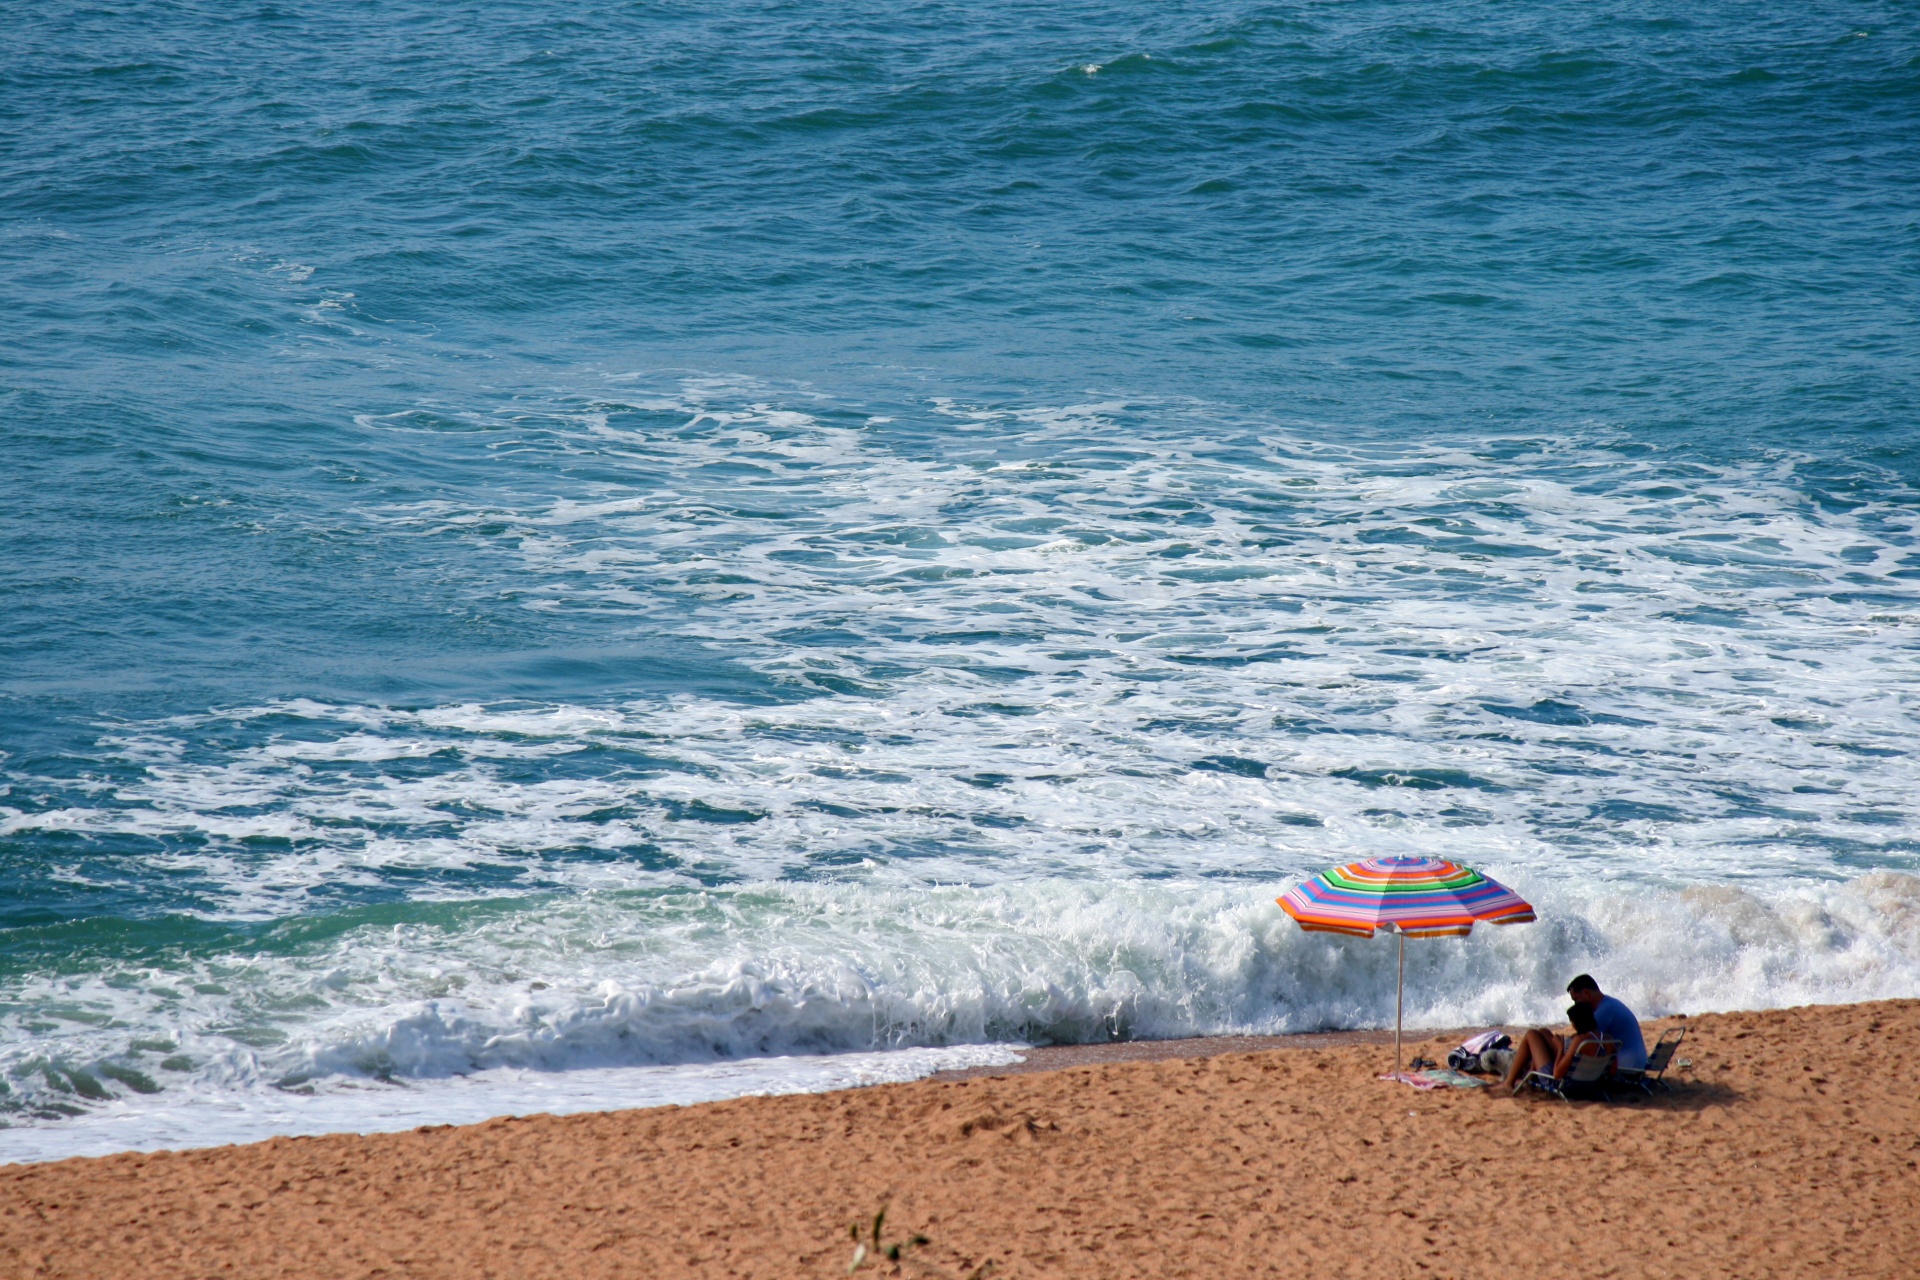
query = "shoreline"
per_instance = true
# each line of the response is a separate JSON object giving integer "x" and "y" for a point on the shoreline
{"x": 475, "y": 1099}
{"x": 1063, "y": 1057}
{"x": 1790, "y": 1148}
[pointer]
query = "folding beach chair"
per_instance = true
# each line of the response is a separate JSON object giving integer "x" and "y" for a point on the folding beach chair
{"x": 1592, "y": 1062}
{"x": 1654, "y": 1076}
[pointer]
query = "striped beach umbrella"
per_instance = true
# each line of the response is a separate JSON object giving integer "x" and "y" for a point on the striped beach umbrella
{"x": 1422, "y": 897}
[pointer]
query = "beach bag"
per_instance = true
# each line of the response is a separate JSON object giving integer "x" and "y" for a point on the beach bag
{"x": 1474, "y": 1054}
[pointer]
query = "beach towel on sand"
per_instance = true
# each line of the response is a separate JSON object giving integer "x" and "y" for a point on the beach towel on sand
{"x": 1436, "y": 1078}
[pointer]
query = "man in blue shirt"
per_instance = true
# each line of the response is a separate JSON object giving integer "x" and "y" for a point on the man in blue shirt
{"x": 1613, "y": 1020}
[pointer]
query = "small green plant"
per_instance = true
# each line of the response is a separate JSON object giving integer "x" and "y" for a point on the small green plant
{"x": 874, "y": 1247}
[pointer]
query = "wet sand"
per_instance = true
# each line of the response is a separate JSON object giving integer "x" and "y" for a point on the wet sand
{"x": 1060, "y": 1057}
{"x": 1791, "y": 1147}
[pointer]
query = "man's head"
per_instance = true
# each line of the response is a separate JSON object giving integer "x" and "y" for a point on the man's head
{"x": 1584, "y": 990}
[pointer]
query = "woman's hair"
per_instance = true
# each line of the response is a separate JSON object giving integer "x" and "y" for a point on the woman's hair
{"x": 1581, "y": 1017}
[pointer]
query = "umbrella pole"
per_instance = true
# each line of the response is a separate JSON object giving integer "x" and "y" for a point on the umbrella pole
{"x": 1399, "y": 997}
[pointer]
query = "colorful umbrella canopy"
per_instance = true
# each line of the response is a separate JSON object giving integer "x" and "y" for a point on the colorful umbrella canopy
{"x": 1418, "y": 897}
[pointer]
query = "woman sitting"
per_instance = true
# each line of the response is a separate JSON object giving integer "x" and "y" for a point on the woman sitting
{"x": 1542, "y": 1050}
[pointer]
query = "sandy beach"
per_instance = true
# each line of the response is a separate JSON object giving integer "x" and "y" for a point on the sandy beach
{"x": 1789, "y": 1148}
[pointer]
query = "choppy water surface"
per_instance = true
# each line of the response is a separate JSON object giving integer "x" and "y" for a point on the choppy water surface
{"x": 549, "y": 550}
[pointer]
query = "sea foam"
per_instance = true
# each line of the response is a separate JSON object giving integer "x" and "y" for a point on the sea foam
{"x": 1039, "y": 727}
{"x": 601, "y": 984}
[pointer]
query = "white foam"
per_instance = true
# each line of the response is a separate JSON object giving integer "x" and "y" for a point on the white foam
{"x": 599, "y": 982}
{"x": 354, "y": 1105}
{"x": 1068, "y": 695}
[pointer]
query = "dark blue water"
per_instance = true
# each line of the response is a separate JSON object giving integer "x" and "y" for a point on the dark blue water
{"x": 487, "y": 463}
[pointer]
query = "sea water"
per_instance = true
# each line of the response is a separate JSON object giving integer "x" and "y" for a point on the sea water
{"x": 581, "y": 555}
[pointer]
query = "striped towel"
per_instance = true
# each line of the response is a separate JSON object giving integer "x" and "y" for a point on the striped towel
{"x": 1437, "y": 1078}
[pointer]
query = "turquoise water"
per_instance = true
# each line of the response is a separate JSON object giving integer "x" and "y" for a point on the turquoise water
{"x": 567, "y": 539}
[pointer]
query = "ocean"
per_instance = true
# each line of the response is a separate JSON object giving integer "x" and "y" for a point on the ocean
{"x": 564, "y": 556}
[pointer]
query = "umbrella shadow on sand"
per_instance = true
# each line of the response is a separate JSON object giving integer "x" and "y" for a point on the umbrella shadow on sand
{"x": 1680, "y": 1096}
